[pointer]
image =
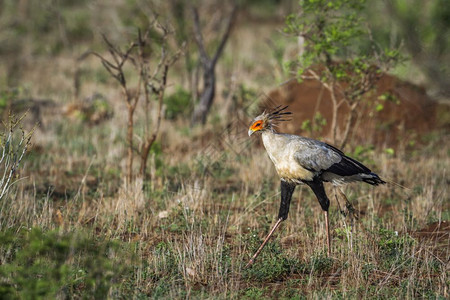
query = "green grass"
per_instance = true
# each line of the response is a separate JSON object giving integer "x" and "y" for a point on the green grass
{"x": 48, "y": 264}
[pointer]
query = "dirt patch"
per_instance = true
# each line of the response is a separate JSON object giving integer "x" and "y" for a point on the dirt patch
{"x": 406, "y": 114}
{"x": 437, "y": 231}
{"x": 435, "y": 238}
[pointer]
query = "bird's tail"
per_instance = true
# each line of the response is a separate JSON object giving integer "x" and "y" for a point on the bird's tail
{"x": 372, "y": 178}
{"x": 389, "y": 181}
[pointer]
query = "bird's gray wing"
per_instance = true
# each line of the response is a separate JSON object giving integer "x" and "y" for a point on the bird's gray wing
{"x": 316, "y": 156}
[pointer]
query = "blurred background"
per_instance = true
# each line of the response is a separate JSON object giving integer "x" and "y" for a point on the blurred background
{"x": 45, "y": 56}
{"x": 36, "y": 33}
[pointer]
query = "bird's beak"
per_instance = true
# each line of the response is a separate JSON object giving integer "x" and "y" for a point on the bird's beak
{"x": 250, "y": 132}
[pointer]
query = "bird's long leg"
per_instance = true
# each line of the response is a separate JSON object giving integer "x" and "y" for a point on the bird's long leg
{"x": 287, "y": 189}
{"x": 327, "y": 227}
{"x": 317, "y": 186}
{"x": 265, "y": 242}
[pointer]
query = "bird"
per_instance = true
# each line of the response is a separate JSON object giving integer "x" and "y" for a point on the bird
{"x": 300, "y": 160}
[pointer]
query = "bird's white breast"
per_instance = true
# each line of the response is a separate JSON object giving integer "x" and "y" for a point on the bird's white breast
{"x": 281, "y": 151}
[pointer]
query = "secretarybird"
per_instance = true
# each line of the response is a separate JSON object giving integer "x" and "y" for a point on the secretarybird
{"x": 301, "y": 160}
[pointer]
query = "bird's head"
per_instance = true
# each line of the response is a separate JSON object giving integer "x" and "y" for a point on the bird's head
{"x": 267, "y": 120}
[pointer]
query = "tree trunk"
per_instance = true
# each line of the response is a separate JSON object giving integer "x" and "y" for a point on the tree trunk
{"x": 130, "y": 145}
{"x": 144, "y": 158}
{"x": 208, "y": 65}
{"x": 206, "y": 99}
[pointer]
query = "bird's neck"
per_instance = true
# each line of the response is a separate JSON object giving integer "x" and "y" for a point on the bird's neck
{"x": 271, "y": 141}
{"x": 268, "y": 135}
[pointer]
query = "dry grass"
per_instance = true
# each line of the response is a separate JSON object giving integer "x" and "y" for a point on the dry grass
{"x": 192, "y": 231}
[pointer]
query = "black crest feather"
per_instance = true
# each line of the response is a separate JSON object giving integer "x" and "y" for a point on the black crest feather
{"x": 279, "y": 114}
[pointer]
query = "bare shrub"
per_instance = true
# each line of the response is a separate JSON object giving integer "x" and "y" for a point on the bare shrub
{"x": 152, "y": 81}
{"x": 14, "y": 143}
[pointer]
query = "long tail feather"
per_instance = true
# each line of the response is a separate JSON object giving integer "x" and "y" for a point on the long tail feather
{"x": 372, "y": 179}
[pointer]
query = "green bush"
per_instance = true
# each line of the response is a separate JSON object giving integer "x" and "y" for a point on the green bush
{"x": 37, "y": 264}
{"x": 272, "y": 264}
{"x": 392, "y": 244}
{"x": 178, "y": 104}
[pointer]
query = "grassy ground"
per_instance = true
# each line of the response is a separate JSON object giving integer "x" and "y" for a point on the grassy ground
{"x": 190, "y": 231}
{"x": 72, "y": 228}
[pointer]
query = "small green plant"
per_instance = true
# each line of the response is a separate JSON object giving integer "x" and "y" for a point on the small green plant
{"x": 385, "y": 97}
{"x": 393, "y": 244}
{"x": 320, "y": 263}
{"x": 389, "y": 151}
{"x": 272, "y": 264}
{"x": 367, "y": 270}
{"x": 315, "y": 125}
{"x": 364, "y": 153}
{"x": 7, "y": 96}
{"x": 254, "y": 293}
{"x": 389, "y": 97}
{"x": 178, "y": 104}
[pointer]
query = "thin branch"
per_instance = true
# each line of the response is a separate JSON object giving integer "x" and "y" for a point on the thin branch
{"x": 112, "y": 50}
{"x": 226, "y": 34}
{"x": 150, "y": 140}
{"x": 160, "y": 102}
{"x": 198, "y": 37}
{"x": 317, "y": 77}
{"x": 350, "y": 119}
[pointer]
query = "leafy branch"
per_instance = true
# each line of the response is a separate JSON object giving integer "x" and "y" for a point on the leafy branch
{"x": 340, "y": 53}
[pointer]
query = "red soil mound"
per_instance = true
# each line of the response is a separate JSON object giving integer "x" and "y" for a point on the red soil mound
{"x": 409, "y": 114}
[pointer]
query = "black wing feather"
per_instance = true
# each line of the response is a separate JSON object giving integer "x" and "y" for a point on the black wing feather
{"x": 348, "y": 167}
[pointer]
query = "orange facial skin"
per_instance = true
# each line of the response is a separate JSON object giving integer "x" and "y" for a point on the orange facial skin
{"x": 257, "y": 125}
